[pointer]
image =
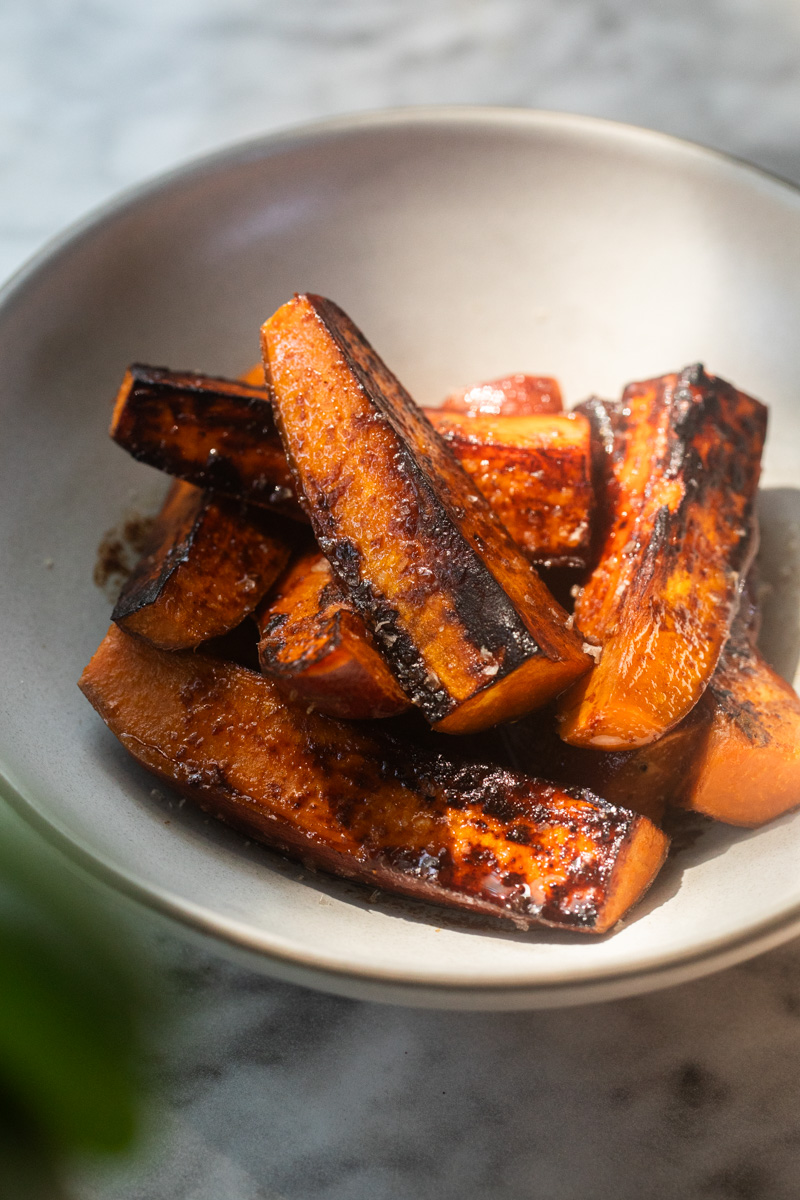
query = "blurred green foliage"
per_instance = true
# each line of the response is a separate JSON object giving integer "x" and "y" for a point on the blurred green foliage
{"x": 77, "y": 1003}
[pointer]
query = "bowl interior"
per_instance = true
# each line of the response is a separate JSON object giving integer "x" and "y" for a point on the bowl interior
{"x": 466, "y": 245}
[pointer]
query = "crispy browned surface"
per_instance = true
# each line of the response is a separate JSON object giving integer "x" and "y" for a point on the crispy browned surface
{"x": 684, "y": 473}
{"x": 510, "y": 396}
{"x": 314, "y": 643}
{"x": 208, "y": 563}
{"x": 463, "y": 620}
{"x": 215, "y": 433}
{"x": 536, "y": 474}
{"x": 747, "y": 770}
{"x": 369, "y": 807}
{"x": 645, "y": 779}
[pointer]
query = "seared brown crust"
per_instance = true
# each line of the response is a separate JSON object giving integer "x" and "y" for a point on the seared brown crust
{"x": 535, "y": 471}
{"x": 510, "y": 396}
{"x": 683, "y": 478}
{"x": 208, "y": 563}
{"x": 347, "y": 799}
{"x": 463, "y": 620}
{"x": 315, "y": 644}
{"x": 215, "y": 433}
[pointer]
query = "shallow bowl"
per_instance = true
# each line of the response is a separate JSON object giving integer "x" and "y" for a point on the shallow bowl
{"x": 467, "y": 244}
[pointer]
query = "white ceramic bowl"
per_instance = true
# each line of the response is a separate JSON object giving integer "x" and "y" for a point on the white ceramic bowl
{"x": 466, "y": 243}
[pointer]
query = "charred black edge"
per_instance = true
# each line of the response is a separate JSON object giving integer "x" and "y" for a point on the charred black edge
{"x": 505, "y": 631}
{"x": 154, "y": 387}
{"x": 692, "y": 411}
{"x": 270, "y": 647}
{"x": 603, "y": 417}
{"x": 197, "y": 382}
{"x": 136, "y": 594}
{"x": 134, "y": 597}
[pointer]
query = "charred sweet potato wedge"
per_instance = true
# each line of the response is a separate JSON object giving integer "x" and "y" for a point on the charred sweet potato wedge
{"x": 536, "y": 474}
{"x": 684, "y": 473}
{"x": 747, "y": 769}
{"x": 208, "y": 563}
{"x": 315, "y": 644}
{"x": 345, "y": 799}
{"x": 510, "y": 396}
{"x": 215, "y": 433}
{"x": 463, "y": 620}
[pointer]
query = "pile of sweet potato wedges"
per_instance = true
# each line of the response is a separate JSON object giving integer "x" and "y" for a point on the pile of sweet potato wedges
{"x": 344, "y": 636}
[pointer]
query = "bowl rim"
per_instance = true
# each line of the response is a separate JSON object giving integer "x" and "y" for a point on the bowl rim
{"x": 656, "y": 970}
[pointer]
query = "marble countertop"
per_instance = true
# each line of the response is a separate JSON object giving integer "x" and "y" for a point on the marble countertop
{"x": 273, "y": 1091}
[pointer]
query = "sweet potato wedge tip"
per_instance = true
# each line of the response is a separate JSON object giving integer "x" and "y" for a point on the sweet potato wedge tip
{"x": 215, "y": 433}
{"x": 315, "y": 644}
{"x": 747, "y": 769}
{"x": 510, "y": 396}
{"x": 463, "y": 620}
{"x": 535, "y": 472}
{"x": 208, "y": 563}
{"x": 683, "y": 477}
{"x": 347, "y": 800}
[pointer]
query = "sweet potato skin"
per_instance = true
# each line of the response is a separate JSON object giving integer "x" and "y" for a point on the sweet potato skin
{"x": 510, "y": 396}
{"x": 467, "y": 627}
{"x": 315, "y": 645}
{"x": 344, "y": 799}
{"x": 661, "y": 602}
{"x": 215, "y": 433}
{"x": 209, "y": 562}
{"x": 535, "y": 471}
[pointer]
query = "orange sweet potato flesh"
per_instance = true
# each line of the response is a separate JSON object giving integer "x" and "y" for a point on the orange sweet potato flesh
{"x": 510, "y": 396}
{"x": 345, "y": 799}
{"x": 535, "y": 471}
{"x": 747, "y": 770}
{"x": 463, "y": 620}
{"x": 209, "y": 561}
{"x": 661, "y": 602}
{"x": 314, "y": 643}
{"x": 215, "y": 433}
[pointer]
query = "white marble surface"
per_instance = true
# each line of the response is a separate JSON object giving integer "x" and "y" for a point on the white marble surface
{"x": 272, "y": 1091}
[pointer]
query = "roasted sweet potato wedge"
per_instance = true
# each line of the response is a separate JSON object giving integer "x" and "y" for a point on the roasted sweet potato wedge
{"x": 341, "y": 797}
{"x": 747, "y": 768}
{"x": 510, "y": 396}
{"x": 215, "y": 433}
{"x": 315, "y": 644}
{"x": 208, "y": 563}
{"x": 463, "y": 620}
{"x": 536, "y": 474}
{"x": 684, "y": 473}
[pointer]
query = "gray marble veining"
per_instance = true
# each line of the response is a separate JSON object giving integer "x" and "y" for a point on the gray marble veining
{"x": 95, "y": 94}
{"x": 277, "y": 1093}
{"x": 274, "y": 1092}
